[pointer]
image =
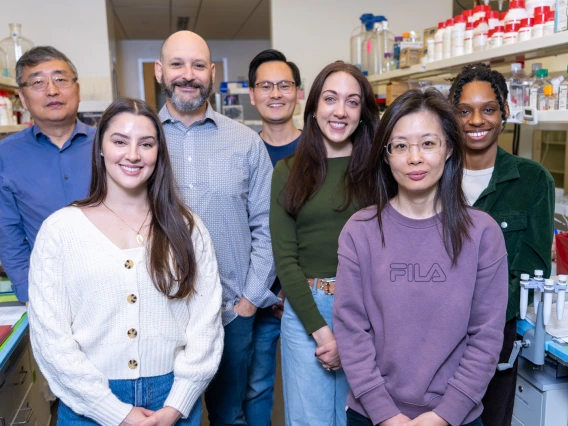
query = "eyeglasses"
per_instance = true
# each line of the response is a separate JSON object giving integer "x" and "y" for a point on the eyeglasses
{"x": 428, "y": 145}
{"x": 41, "y": 82}
{"x": 266, "y": 87}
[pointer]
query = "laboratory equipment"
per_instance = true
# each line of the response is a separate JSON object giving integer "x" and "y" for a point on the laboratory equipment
{"x": 517, "y": 12}
{"x": 15, "y": 46}
{"x": 548, "y": 28}
{"x": 563, "y": 95}
{"x": 515, "y": 88}
{"x": 388, "y": 63}
{"x": 439, "y": 42}
{"x": 527, "y": 83}
{"x": 511, "y": 32}
{"x": 525, "y": 32}
{"x": 480, "y": 35}
{"x": 538, "y": 87}
{"x": 458, "y": 36}
{"x": 448, "y": 39}
{"x": 3, "y": 63}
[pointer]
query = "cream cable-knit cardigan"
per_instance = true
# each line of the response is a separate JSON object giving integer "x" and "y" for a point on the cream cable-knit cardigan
{"x": 95, "y": 316}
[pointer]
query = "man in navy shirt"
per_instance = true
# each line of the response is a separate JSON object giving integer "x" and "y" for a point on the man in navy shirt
{"x": 45, "y": 167}
{"x": 274, "y": 84}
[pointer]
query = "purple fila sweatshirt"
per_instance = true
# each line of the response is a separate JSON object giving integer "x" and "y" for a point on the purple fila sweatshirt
{"x": 414, "y": 333}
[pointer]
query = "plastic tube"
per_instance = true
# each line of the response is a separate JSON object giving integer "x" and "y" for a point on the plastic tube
{"x": 538, "y": 273}
{"x": 524, "y": 294}
{"x": 547, "y": 308}
{"x": 561, "y": 296}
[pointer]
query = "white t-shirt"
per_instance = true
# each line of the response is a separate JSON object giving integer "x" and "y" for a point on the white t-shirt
{"x": 474, "y": 182}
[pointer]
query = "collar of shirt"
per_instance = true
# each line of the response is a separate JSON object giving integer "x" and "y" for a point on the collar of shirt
{"x": 80, "y": 129}
{"x": 210, "y": 115}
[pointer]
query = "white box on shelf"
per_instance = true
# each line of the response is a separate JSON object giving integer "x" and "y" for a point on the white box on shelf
{"x": 561, "y": 16}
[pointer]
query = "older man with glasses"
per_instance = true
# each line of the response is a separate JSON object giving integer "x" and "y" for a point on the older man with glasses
{"x": 44, "y": 167}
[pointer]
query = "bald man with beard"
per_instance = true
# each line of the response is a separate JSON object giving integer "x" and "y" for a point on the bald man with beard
{"x": 223, "y": 173}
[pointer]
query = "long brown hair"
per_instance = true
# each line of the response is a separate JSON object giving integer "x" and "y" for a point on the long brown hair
{"x": 171, "y": 258}
{"x": 310, "y": 161}
{"x": 380, "y": 185}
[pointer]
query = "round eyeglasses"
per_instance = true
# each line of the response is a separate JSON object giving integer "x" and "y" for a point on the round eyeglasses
{"x": 40, "y": 82}
{"x": 427, "y": 145}
{"x": 266, "y": 87}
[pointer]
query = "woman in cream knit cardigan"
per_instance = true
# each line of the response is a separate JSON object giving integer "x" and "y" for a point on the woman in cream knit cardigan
{"x": 124, "y": 290}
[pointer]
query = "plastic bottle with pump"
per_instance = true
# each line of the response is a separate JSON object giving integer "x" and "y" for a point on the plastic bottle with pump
{"x": 480, "y": 35}
{"x": 515, "y": 88}
{"x": 537, "y": 87}
{"x": 357, "y": 41}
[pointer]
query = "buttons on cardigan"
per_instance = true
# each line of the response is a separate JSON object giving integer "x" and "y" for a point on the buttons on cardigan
{"x": 504, "y": 225}
{"x": 132, "y": 364}
{"x": 132, "y": 333}
{"x": 131, "y": 298}
{"x": 129, "y": 264}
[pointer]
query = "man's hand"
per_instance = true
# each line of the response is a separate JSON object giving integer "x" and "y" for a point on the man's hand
{"x": 245, "y": 308}
{"x": 427, "y": 419}
{"x": 278, "y": 308}
{"x": 136, "y": 415}
{"x": 398, "y": 420}
{"x": 166, "y": 416}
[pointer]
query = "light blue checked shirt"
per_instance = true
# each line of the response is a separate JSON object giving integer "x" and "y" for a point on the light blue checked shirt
{"x": 223, "y": 174}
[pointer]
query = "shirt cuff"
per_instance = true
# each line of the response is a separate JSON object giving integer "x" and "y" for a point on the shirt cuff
{"x": 454, "y": 406}
{"x": 379, "y": 405}
{"x": 21, "y": 292}
{"x": 109, "y": 410}
{"x": 263, "y": 301}
{"x": 183, "y": 395}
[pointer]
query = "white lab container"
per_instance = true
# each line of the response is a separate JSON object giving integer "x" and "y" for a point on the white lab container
{"x": 458, "y": 36}
{"x": 480, "y": 35}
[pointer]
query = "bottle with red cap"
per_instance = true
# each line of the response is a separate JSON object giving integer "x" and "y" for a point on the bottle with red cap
{"x": 458, "y": 36}
{"x": 480, "y": 35}
{"x": 497, "y": 36}
{"x": 448, "y": 39}
{"x": 468, "y": 14}
{"x": 516, "y": 12}
{"x": 525, "y": 31}
{"x": 539, "y": 20}
{"x": 478, "y": 12}
{"x": 468, "y": 38}
{"x": 502, "y": 18}
{"x": 439, "y": 42}
{"x": 548, "y": 28}
{"x": 511, "y": 32}
{"x": 493, "y": 19}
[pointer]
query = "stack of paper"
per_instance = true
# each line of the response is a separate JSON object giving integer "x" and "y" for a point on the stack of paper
{"x": 10, "y": 315}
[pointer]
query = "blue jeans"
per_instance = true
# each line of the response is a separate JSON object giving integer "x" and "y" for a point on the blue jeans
{"x": 225, "y": 395}
{"x": 312, "y": 395}
{"x": 356, "y": 419}
{"x": 147, "y": 392}
{"x": 259, "y": 397}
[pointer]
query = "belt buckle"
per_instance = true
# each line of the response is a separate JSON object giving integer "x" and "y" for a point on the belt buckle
{"x": 325, "y": 286}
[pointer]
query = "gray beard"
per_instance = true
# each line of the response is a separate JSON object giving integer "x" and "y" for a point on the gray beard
{"x": 189, "y": 105}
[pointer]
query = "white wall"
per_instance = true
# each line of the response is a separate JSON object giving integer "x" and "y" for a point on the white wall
{"x": 238, "y": 53}
{"x": 315, "y": 33}
{"x": 78, "y": 28}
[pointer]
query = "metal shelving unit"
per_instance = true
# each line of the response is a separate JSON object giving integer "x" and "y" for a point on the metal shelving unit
{"x": 12, "y": 129}
{"x": 551, "y": 45}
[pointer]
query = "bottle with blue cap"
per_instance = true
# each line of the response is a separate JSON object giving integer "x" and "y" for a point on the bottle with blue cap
{"x": 357, "y": 41}
{"x": 374, "y": 46}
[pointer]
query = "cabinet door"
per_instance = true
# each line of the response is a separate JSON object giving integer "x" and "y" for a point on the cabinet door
{"x": 42, "y": 407}
{"x": 528, "y": 403}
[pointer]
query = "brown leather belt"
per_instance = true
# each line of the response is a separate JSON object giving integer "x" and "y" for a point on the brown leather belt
{"x": 327, "y": 285}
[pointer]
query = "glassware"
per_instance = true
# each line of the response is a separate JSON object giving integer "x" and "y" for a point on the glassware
{"x": 15, "y": 46}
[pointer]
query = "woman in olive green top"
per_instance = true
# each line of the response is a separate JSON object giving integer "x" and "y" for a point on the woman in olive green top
{"x": 314, "y": 193}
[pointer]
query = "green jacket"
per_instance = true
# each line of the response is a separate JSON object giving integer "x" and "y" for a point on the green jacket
{"x": 520, "y": 197}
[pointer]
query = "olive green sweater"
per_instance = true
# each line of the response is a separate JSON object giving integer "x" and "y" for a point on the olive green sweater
{"x": 306, "y": 246}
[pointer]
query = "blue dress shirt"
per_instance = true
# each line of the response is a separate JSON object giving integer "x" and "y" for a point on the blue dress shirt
{"x": 36, "y": 179}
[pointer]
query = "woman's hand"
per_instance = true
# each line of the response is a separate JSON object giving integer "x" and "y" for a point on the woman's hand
{"x": 398, "y": 420}
{"x": 326, "y": 351}
{"x": 427, "y": 419}
{"x": 166, "y": 416}
{"x": 136, "y": 415}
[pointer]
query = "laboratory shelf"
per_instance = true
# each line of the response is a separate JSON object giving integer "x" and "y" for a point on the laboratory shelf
{"x": 12, "y": 129}
{"x": 551, "y": 45}
{"x": 8, "y": 83}
{"x": 537, "y": 117}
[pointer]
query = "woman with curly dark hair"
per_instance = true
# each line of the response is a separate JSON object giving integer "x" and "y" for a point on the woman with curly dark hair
{"x": 518, "y": 193}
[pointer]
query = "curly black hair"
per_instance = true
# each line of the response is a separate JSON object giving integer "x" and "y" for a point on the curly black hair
{"x": 481, "y": 72}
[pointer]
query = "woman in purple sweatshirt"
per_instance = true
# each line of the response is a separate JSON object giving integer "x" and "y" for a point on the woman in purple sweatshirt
{"x": 421, "y": 287}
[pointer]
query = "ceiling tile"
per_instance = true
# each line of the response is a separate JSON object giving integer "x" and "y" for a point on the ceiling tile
{"x": 257, "y": 26}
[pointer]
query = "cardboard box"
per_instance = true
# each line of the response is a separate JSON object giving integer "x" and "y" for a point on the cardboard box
{"x": 409, "y": 57}
{"x": 411, "y": 45}
{"x": 395, "y": 89}
{"x": 429, "y": 33}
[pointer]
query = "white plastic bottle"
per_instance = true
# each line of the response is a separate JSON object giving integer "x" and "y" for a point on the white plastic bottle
{"x": 468, "y": 38}
{"x": 468, "y": 15}
{"x": 439, "y": 42}
{"x": 498, "y": 36}
{"x": 493, "y": 20}
{"x": 357, "y": 41}
{"x": 480, "y": 35}
{"x": 516, "y": 12}
{"x": 538, "y": 26}
{"x": 511, "y": 33}
{"x": 4, "y": 120}
{"x": 548, "y": 28}
{"x": 448, "y": 39}
{"x": 10, "y": 109}
{"x": 502, "y": 18}
{"x": 531, "y": 5}
{"x": 563, "y": 95}
{"x": 458, "y": 36}
{"x": 525, "y": 32}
